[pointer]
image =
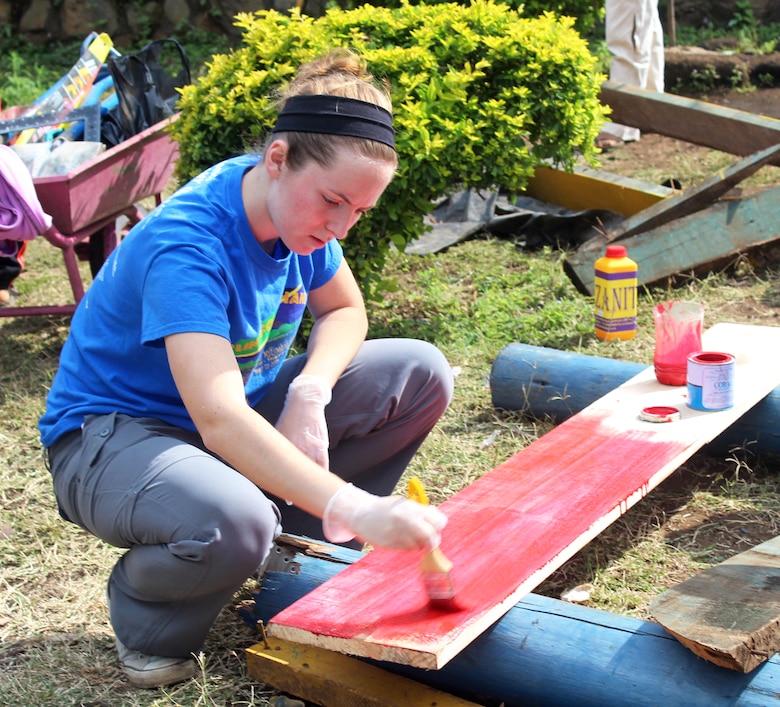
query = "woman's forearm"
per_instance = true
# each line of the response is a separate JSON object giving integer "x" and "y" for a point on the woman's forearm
{"x": 335, "y": 339}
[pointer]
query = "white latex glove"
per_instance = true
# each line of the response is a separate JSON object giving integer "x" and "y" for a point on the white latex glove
{"x": 303, "y": 417}
{"x": 384, "y": 521}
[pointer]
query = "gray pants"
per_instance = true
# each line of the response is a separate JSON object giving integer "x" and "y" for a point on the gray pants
{"x": 195, "y": 528}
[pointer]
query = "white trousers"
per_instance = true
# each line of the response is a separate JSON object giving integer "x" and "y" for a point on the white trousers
{"x": 635, "y": 40}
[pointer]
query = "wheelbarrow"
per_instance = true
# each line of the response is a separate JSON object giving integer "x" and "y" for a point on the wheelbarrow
{"x": 85, "y": 204}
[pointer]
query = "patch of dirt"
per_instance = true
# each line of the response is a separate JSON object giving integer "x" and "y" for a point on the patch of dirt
{"x": 761, "y": 101}
{"x": 721, "y": 535}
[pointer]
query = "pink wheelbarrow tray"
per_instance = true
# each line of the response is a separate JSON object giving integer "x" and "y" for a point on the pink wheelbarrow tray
{"x": 85, "y": 203}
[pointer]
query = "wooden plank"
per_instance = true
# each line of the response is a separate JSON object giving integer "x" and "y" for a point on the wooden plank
{"x": 534, "y": 654}
{"x": 726, "y": 129}
{"x": 695, "y": 198}
{"x": 335, "y": 680}
{"x": 585, "y": 188}
{"x": 730, "y": 613}
{"x": 691, "y": 243}
{"x": 515, "y": 525}
{"x": 553, "y": 385}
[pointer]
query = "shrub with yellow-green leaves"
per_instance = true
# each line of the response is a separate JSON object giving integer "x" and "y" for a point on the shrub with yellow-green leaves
{"x": 481, "y": 97}
{"x": 586, "y": 13}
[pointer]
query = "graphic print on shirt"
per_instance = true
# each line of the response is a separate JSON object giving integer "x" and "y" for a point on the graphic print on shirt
{"x": 262, "y": 354}
{"x": 285, "y": 326}
{"x": 249, "y": 351}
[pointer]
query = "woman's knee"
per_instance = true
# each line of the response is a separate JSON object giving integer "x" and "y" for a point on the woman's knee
{"x": 390, "y": 382}
{"x": 246, "y": 531}
{"x": 429, "y": 377}
{"x": 441, "y": 371}
{"x": 207, "y": 514}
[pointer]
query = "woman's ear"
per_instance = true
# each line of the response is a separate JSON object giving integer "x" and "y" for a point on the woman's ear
{"x": 275, "y": 158}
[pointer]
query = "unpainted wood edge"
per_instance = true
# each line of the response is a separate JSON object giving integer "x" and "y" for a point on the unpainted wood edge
{"x": 741, "y": 650}
{"x": 692, "y": 105}
{"x": 355, "y": 647}
{"x": 744, "y": 661}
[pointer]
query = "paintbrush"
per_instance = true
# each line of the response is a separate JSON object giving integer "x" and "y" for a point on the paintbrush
{"x": 435, "y": 566}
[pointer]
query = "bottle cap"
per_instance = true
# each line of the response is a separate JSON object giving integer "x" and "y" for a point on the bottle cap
{"x": 616, "y": 251}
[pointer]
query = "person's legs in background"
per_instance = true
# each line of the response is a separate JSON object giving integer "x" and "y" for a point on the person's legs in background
{"x": 11, "y": 266}
{"x": 635, "y": 39}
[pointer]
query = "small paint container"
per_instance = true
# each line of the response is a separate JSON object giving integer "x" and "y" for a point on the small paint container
{"x": 660, "y": 413}
{"x": 710, "y": 380}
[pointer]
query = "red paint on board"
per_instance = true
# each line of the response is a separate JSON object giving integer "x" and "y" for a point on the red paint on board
{"x": 504, "y": 528}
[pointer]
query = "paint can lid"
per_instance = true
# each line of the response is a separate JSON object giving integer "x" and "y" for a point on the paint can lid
{"x": 660, "y": 413}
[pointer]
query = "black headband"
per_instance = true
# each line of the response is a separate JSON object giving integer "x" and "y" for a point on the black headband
{"x": 336, "y": 115}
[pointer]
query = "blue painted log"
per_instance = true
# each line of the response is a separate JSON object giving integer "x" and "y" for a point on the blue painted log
{"x": 548, "y": 384}
{"x": 551, "y": 653}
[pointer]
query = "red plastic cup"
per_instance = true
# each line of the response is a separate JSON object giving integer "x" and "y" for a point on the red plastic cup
{"x": 678, "y": 327}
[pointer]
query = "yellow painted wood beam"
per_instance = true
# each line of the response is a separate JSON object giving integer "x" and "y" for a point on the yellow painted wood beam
{"x": 586, "y": 188}
{"x": 335, "y": 680}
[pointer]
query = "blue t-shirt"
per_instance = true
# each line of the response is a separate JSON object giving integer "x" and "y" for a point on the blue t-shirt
{"x": 192, "y": 265}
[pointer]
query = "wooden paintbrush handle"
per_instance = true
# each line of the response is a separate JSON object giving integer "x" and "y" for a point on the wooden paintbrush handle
{"x": 435, "y": 561}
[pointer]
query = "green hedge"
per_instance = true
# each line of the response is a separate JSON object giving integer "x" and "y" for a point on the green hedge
{"x": 586, "y": 13}
{"x": 481, "y": 96}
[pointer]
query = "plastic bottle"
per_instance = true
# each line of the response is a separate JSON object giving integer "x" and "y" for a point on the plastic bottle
{"x": 615, "y": 295}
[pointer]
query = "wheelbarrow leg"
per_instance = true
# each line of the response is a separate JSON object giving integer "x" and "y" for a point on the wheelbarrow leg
{"x": 72, "y": 266}
{"x": 105, "y": 239}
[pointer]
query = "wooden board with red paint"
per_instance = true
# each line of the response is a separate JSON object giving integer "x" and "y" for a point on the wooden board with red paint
{"x": 513, "y": 527}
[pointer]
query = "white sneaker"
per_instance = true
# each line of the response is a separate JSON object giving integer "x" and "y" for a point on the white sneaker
{"x": 154, "y": 671}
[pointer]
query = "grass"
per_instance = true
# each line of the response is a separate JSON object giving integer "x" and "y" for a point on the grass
{"x": 56, "y": 645}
